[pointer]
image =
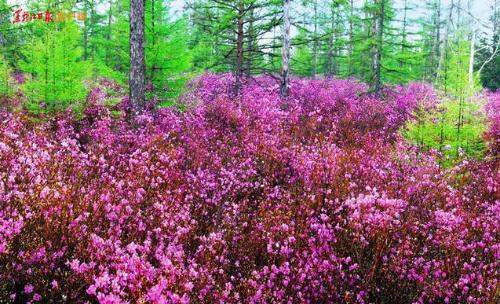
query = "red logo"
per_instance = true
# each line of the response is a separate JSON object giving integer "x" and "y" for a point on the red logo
{"x": 21, "y": 16}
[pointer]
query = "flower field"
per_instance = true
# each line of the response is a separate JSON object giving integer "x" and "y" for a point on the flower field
{"x": 313, "y": 199}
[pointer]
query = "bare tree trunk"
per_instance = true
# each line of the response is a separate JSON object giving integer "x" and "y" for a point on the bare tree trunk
{"x": 471, "y": 62}
{"x": 239, "y": 48}
{"x": 496, "y": 35}
{"x": 285, "y": 53}
{"x": 137, "y": 68}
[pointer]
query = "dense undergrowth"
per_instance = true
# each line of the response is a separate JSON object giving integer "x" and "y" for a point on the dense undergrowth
{"x": 315, "y": 199}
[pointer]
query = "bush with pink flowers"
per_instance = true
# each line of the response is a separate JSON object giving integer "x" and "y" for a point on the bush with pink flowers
{"x": 255, "y": 199}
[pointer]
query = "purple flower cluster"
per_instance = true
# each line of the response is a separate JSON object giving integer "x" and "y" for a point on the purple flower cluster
{"x": 255, "y": 199}
{"x": 493, "y": 112}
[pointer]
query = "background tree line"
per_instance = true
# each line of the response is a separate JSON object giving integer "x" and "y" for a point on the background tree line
{"x": 376, "y": 41}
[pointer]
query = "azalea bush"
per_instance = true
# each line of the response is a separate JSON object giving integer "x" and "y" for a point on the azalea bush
{"x": 252, "y": 199}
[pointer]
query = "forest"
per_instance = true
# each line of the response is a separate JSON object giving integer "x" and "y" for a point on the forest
{"x": 250, "y": 151}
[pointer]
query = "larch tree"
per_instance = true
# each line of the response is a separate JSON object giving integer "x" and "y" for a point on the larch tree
{"x": 285, "y": 70}
{"x": 233, "y": 36}
{"x": 487, "y": 63}
{"x": 168, "y": 61}
{"x": 377, "y": 45}
{"x": 137, "y": 60}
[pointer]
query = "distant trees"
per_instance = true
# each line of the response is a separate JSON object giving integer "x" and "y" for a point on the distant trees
{"x": 431, "y": 29}
{"x": 155, "y": 50}
{"x": 235, "y": 35}
{"x": 168, "y": 60}
{"x": 487, "y": 61}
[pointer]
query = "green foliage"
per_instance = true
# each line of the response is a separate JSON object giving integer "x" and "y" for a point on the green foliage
{"x": 331, "y": 37}
{"x": 53, "y": 59}
{"x": 454, "y": 78}
{"x": 490, "y": 75}
{"x": 115, "y": 40}
{"x": 5, "y": 72}
{"x": 168, "y": 60}
{"x": 302, "y": 58}
{"x": 214, "y": 32}
{"x": 454, "y": 128}
{"x": 102, "y": 69}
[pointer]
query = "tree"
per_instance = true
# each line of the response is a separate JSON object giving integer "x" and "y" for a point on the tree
{"x": 4, "y": 77}
{"x": 378, "y": 25}
{"x": 431, "y": 40}
{"x": 303, "y": 58}
{"x": 488, "y": 59}
{"x": 334, "y": 38}
{"x": 137, "y": 62}
{"x": 285, "y": 77}
{"x": 233, "y": 35}
{"x": 54, "y": 61}
{"x": 444, "y": 48}
{"x": 168, "y": 60}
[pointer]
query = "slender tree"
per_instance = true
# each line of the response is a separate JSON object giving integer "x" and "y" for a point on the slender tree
{"x": 285, "y": 77}
{"x": 444, "y": 46}
{"x": 137, "y": 63}
{"x": 240, "y": 39}
{"x": 378, "y": 25}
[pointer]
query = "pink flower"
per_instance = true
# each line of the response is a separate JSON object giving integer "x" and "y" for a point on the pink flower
{"x": 28, "y": 288}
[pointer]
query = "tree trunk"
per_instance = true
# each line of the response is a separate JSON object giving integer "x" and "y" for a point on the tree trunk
{"x": 437, "y": 38}
{"x": 250, "y": 42}
{"x": 153, "y": 44}
{"x": 85, "y": 32}
{"x": 93, "y": 21}
{"x": 137, "y": 68}
{"x": 240, "y": 35}
{"x": 285, "y": 52}
{"x": 471, "y": 62}
{"x": 377, "y": 51}
{"x": 404, "y": 34}
{"x": 315, "y": 41}
{"x": 331, "y": 43}
{"x": 444, "y": 44}
{"x": 108, "y": 33}
{"x": 351, "y": 36}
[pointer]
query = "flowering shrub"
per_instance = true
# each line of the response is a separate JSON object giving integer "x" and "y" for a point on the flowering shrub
{"x": 493, "y": 112}
{"x": 252, "y": 199}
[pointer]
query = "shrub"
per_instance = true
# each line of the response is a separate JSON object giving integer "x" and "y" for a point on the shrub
{"x": 255, "y": 199}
